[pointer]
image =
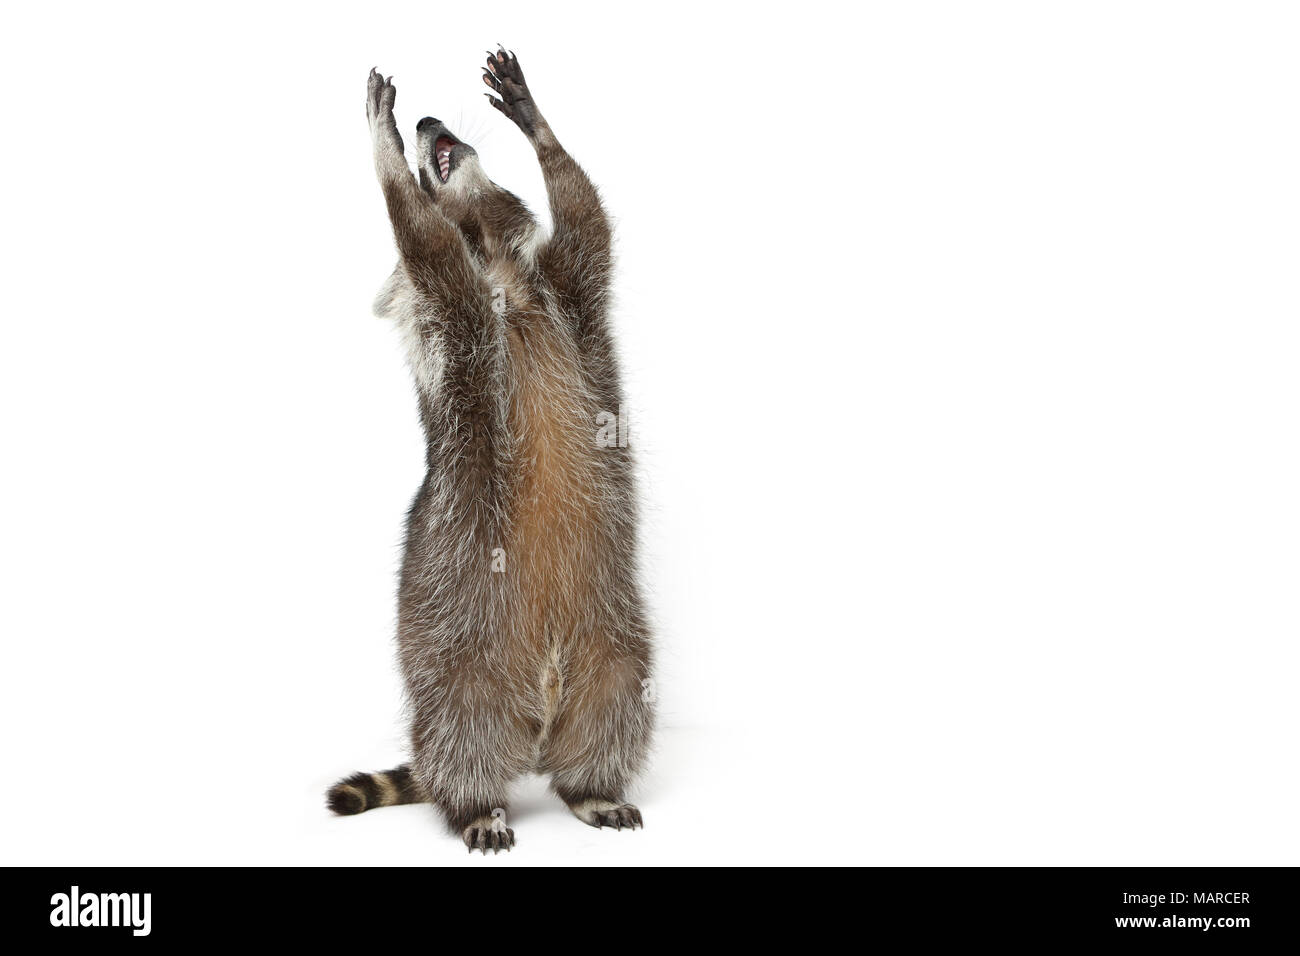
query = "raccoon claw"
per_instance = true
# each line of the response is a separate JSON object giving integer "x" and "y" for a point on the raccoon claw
{"x": 626, "y": 817}
{"x": 506, "y": 66}
{"x": 380, "y": 94}
{"x": 486, "y": 836}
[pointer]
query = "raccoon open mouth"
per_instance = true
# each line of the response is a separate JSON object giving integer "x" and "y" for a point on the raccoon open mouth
{"x": 442, "y": 155}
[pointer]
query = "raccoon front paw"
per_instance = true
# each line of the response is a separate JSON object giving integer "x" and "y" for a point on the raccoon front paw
{"x": 606, "y": 813}
{"x": 380, "y": 97}
{"x": 503, "y": 74}
{"x": 489, "y": 833}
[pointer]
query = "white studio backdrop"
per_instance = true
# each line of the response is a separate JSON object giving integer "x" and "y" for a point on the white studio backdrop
{"x": 960, "y": 344}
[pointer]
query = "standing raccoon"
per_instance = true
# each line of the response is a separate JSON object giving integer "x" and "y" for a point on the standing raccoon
{"x": 523, "y": 642}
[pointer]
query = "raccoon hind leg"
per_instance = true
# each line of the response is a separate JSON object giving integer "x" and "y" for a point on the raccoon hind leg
{"x": 470, "y": 744}
{"x": 599, "y": 739}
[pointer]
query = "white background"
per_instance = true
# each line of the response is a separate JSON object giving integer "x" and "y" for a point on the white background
{"x": 961, "y": 344}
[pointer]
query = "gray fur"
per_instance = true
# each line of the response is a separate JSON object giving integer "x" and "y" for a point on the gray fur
{"x": 539, "y": 665}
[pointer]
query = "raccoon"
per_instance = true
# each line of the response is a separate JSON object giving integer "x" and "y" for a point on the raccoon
{"x": 523, "y": 641}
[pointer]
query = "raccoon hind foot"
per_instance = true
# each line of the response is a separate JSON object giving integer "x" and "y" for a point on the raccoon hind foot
{"x": 488, "y": 833}
{"x": 607, "y": 813}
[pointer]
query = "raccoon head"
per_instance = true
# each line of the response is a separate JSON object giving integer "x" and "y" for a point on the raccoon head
{"x": 449, "y": 168}
{"x": 493, "y": 220}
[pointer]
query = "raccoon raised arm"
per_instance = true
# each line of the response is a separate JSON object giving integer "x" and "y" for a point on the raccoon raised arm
{"x": 432, "y": 249}
{"x": 455, "y": 340}
{"x": 576, "y": 259}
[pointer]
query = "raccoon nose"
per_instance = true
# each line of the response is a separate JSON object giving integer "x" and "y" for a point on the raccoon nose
{"x": 425, "y": 123}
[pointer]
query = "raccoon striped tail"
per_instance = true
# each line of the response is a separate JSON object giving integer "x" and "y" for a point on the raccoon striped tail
{"x": 365, "y": 791}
